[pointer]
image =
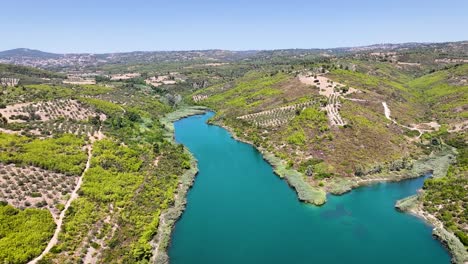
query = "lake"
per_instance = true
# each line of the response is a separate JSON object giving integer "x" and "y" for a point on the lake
{"x": 239, "y": 211}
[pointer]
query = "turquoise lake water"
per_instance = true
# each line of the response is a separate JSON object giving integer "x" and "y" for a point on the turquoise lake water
{"x": 239, "y": 211}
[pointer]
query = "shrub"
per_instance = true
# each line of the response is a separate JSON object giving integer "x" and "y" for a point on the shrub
{"x": 25, "y": 233}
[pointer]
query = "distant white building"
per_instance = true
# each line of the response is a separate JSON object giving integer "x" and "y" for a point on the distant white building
{"x": 79, "y": 79}
{"x": 126, "y": 76}
{"x": 9, "y": 81}
{"x": 163, "y": 79}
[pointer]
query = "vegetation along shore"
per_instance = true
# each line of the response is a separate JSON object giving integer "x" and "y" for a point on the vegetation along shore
{"x": 90, "y": 171}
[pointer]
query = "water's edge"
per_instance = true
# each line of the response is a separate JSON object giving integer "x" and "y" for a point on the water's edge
{"x": 436, "y": 164}
{"x": 305, "y": 192}
{"x": 169, "y": 217}
{"x": 413, "y": 205}
{"x": 294, "y": 179}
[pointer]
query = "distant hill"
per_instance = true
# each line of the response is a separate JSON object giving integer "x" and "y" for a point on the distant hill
{"x": 29, "y": 53}
{"x": 232, "y": 55}
{"x": 27, "y": 75}
{"x": 60, "y": 62}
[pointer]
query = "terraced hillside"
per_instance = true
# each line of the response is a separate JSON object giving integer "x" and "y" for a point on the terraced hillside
{"x": 276, "y": 116}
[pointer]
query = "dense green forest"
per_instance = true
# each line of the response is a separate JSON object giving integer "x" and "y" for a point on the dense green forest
{"x": 61, "y": 154}
{"x": 23, "y": 233}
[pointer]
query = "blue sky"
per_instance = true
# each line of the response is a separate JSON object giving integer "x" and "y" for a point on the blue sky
{"x": 109, "y": 26}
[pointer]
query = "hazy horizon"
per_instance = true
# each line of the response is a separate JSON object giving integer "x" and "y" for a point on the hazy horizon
{"x": 181, "y": 50}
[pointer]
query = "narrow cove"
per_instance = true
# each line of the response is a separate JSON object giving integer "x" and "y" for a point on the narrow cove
{"x": 239, "y": 211}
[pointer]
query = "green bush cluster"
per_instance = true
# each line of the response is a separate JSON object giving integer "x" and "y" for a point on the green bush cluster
{"x": 310, "y": 118}
{"x": 61, "y": 154}
{"x": 447, "y": 197}
{"x": 249, "y": 91}
{"x": 23, "y": 233}
{"x": 106, "y": 107}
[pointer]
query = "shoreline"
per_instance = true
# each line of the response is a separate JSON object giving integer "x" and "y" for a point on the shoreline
{"x": 412, "y": 205}
{"x": 305, "y": 192}
{"x": 171, "y": 215}
{"x": 436, "y": 163}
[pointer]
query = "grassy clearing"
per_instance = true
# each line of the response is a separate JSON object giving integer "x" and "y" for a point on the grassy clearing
{"x": 48, "y": 92}
{"x": 35, "y": 93}
{"x": 91, "y": 89}
{"x": 367, "y": 140}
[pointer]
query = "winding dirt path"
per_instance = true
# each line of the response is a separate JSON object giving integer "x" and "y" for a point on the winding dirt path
{"x": 387, "y": 113}
{"x": 434, "y": 125}
{"x": 53, "y": 241}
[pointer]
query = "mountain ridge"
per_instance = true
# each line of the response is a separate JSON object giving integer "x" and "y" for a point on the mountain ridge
{"x": 386, "y": 46}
